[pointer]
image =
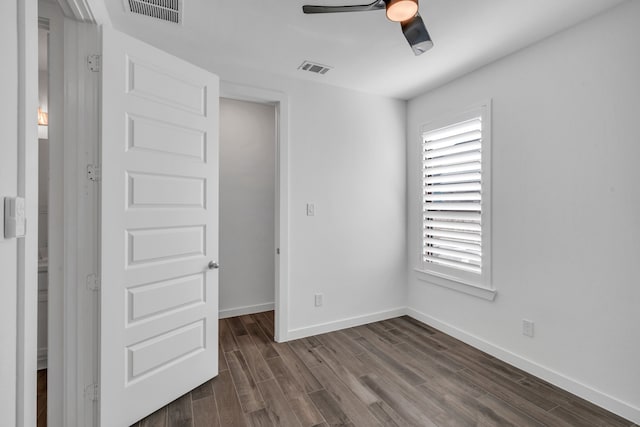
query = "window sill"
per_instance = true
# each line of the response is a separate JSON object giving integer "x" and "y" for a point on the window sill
{"x": 473, "y": 290}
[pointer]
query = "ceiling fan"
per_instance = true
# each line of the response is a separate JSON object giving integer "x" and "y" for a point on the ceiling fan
{"x": 403, "y": 11}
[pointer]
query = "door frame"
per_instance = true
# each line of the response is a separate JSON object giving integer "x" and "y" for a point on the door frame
{"x": 73, "y": 303}
{"x": 73, "y": 209}
{"x": 56, "y": 238}
{"x": 281, "y": 101}
{"x": 27, "y": 247}
{"x": 80, "y": 290}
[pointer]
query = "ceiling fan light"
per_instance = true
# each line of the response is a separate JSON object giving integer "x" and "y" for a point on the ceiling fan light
{"x": 401, "y": 10}
{"x": 417, "y": 35}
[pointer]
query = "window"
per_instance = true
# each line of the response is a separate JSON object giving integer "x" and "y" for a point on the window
{"x": 456, "y": 200}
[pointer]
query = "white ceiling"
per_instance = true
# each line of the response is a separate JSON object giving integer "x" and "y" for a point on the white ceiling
{"x": 368, "y": 52}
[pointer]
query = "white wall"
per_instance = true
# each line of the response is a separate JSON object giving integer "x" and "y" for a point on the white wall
{"x": 8, "y": 187}
{"x": 43, "y": 197}
{"x": 43, "y": 241}
{"x": 566, "y": 210}
{"x": 247, "y": 203}
{"x": 346, "y": 155}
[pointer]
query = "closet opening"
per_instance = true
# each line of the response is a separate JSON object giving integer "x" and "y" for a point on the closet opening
{"x": 248, "y": 182}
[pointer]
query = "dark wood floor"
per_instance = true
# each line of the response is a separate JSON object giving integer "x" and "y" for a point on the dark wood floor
{"x": 41, "y": 405}
{"x": 398, "y": 372}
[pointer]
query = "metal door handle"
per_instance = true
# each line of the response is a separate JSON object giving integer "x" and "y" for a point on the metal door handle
{"x": 213, "y": 265}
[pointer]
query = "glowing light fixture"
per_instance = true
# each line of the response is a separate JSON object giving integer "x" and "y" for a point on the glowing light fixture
{"x": 43, "y": 124}
{"x": 401, "y": 10}
{"x": 43, "y": 118}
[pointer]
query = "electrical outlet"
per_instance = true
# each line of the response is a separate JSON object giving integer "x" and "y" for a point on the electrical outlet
{"x": 311, "y": 209}
{"x": 527, "y": 328}
{"x": 318, "y": 300}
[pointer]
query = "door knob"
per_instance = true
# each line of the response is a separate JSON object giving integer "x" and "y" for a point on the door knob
{"x": 213, "y": 265}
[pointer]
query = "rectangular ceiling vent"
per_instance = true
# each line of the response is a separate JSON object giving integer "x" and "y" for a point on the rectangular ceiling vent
{"x": 314, "y": 67}
{"x": 164, "y": 10}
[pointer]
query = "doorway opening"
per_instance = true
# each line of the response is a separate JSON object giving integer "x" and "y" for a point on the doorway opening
{"x": 274, "y": 105}
{"x": 67, "y": 249}
{"x": 247, "y": 207}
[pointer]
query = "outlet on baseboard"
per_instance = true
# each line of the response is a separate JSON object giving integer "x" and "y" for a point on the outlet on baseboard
{"x": 527, "y": 328}
{"x": 318, "y": 300}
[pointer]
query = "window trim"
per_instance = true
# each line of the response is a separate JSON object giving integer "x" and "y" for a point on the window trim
{"x": 482, "y": 288}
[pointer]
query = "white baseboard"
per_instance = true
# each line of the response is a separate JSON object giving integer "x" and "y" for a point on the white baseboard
{"x": 248, "y": 309}
{"x": 349, "y": 322}
{"x": 597, "y": 397}
{"x": 42, "y": 358}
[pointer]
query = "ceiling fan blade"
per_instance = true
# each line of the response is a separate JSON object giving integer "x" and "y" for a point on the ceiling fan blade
{"x": 417, "y": 35}
{"x": 378, "y": 4}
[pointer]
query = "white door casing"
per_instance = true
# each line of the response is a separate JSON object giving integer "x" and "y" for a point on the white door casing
{"x": 159, "y": 215}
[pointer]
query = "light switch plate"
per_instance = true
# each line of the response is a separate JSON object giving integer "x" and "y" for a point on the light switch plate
{"x": 311, "y": 209}
{"x": 14, "y": 217}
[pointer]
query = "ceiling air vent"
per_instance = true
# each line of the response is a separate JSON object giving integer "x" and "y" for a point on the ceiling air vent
{"x": 165, "y": 10}
{"x": 313, "y": 67}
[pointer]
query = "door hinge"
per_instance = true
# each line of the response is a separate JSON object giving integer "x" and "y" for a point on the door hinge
{"x": 91, "y": 392}
{"x": 93, "y": 282}
{"x": 278, "y": 251}
{"x": 93, "y": 173}
{"x": 94, "y": 63}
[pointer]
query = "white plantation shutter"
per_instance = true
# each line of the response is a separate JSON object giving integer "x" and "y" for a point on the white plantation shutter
{"x": 452, "y": 200}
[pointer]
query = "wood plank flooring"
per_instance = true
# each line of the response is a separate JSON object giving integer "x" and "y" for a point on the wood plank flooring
{"x": 41, "y": 405}
{"x": 397, "y": 372}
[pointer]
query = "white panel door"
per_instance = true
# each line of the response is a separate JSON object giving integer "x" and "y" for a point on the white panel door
{"x": 159, "y": 213}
